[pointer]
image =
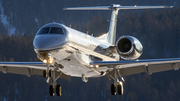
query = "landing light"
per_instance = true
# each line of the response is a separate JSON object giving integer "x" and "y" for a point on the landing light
{"x": 45, "y": 61}
{"x": 50, "y": 61}
{"x": 97, "y": 66}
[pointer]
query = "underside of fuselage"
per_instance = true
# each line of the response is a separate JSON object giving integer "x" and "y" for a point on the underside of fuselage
{"x": 77, "y": 66}
{"x": 74, "y": 64}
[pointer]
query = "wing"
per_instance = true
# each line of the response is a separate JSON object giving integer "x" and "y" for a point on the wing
{"x": 27, "y": 68}
{"x": 125, "y": 68}
{"x": 90, "y": 52}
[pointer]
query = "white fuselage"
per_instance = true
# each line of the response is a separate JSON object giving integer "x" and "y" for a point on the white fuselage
{"x": 72, "y": 49}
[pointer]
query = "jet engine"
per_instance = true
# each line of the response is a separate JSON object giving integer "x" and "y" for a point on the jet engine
{"x": 129, "y": 48}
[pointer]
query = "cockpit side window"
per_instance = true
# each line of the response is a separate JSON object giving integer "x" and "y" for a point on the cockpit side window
{"x": 56, "y": 30}
{"x": 44, "y": 30}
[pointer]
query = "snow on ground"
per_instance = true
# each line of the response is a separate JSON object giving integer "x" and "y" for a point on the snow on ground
{"x": 36, "y": 20}
{"x": 4, "y": 20}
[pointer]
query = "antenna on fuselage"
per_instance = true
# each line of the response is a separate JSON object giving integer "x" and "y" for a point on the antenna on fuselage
{"x": 111, "y": 34}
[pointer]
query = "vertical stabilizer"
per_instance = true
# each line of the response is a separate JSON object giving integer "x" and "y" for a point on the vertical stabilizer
{"x": 111, "y": 34}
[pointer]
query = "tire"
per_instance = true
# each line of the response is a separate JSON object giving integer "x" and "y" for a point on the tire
{"x": 58, "y": 90}
{"x": 113, "y": 89}
{"x": 120, "y": 89}
{"x": 50, "y": 74}
{"x": 51, "y": 90}
{"x": 44, "y": 73}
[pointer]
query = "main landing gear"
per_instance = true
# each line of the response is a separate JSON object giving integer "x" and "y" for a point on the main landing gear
{"x": 55, "y": 89}
{"x": 52, "y": 77}
{"x": 118, "y": 85}
{"x": 117, "y": 88}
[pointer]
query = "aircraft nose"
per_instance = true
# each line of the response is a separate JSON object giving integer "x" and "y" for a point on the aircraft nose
{"x": 46, "y": 42}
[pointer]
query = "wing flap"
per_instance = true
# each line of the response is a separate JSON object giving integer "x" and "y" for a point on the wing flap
{"x": 28, "y": 68}
{"x": 15, "y": 70}
{"x": 128, "y": 71}
{"x": 125, "y": 68}
{"x": 163, "y": 67}
{"x": 36, "y": 71}
{"x": 131, "y": 71}
{"x": 40, "y": 72}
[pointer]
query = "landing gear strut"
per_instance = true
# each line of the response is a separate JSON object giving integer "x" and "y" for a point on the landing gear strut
{"x": 120, "y": 88}
{"x": 52, "y": 78}
{"x": 118, "y": 85}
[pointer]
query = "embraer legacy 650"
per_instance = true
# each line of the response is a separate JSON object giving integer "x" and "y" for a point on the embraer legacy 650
{"x": 66, "y": 52}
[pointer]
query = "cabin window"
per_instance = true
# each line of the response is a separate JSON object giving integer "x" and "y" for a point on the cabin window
{"x": 56, "y": 30}
{"x": 44, "y": 30}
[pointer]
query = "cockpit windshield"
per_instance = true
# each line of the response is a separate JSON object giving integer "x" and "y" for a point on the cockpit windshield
{"x": 44, "y": 30}
{"x": 53, "y": 30}
{"x": 56, "y": 30}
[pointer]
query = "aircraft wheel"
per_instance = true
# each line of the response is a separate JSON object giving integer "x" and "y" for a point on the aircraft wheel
{"x": 113, "y": 89}
{"x": 44, "y": 73}
{"x": 120, "y": 88}
{"x": 50, "y": 74}
{"x": 51, "y": 90}
{"x": 58, "y": 90}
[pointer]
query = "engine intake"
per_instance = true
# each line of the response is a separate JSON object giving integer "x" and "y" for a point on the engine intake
{"x": 129, "y": 47}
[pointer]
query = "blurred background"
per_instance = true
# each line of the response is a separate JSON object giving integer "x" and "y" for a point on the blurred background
{"x": 158, "y": 31}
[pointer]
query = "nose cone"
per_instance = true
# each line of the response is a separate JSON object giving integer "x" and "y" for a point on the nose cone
{"x": 47, "y": 42}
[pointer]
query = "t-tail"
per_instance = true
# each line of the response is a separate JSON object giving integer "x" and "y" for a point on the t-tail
{"x": 111, "y": 34}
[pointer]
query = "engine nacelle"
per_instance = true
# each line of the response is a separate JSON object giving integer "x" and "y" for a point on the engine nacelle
{"x": 129, "y": 47}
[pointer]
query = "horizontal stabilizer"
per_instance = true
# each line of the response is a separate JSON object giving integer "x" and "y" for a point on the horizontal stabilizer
{"x": 89, "y": 8}
{"x": 119, "y": 7}
{"x": 142, "y": 7}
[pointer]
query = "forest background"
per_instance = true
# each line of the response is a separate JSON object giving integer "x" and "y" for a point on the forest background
{"x": 157, "y": 30}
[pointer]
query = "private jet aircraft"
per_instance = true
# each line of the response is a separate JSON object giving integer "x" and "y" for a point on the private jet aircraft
{"x": 66, "y": 52}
